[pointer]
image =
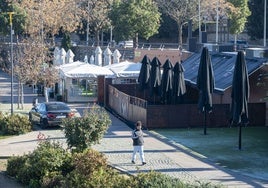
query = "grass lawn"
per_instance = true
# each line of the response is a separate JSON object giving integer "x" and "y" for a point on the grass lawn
{"x": 220, "y": 145}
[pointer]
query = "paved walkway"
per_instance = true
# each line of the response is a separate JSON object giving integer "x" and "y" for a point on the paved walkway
{"x": 161, "y": 154}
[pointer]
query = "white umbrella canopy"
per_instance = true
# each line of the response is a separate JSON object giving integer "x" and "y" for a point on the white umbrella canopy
{"x": 125, "y": 69}
{"x": 98, "y": 56}
{"x": 85, "y": 70}
{"x": 67, "y": 67}
{"x": 116, "y": 56}
{"x": 107, "y": 56}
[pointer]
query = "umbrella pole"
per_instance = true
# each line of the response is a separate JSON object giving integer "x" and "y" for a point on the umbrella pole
{"x": 205, "y": 124}
{"x": 240, "y": 135}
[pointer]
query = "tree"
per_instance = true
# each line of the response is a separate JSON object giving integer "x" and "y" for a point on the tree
{"x": 182, "y": 11}
{"x": 30, "y": 66}
{"x": 44, "y": 19}
{"x": 131, "y": 19}
{"x": 238, "y": 18}
{"x": 256, "y": 20}
{"x": 95, "y": 14}
{"x": 18, "y": 18}
{"x": 83, "y": 132}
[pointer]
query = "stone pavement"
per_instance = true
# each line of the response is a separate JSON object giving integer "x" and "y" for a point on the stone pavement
{"x": 161, "y": 154}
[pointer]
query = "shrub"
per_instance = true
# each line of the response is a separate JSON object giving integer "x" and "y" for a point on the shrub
{"x": 157, "y": 180}
{"x": 91, "y": 170}
{"x": 15, "y": 164}
{"x": 48, "y": 157}
{"x": 87, "y": 162}
{"x": 82, "y": 132}
{"x": 110, "y": 178}
{"x": 14, "y": 124}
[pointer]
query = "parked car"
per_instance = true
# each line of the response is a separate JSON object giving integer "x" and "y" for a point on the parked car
{"x": 241, "y": 44}
{"x": 125, "y": 44}
{"x": 50, "y": 113}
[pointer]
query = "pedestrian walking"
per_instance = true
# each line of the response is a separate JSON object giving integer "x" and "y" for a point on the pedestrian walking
{"x": 138, "y": 142}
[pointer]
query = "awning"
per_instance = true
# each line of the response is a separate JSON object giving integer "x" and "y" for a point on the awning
{"x": 223, "y": 67}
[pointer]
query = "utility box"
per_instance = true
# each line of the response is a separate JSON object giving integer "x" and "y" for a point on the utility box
{"x": 257, "y": 52}
{"x": 192, "y": 44}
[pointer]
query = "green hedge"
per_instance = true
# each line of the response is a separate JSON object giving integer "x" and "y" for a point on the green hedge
{"x": 14, "y": 124}
{"x": 52, "y": 166}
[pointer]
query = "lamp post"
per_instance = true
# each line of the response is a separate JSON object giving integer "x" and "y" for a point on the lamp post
{"x": 217, "y": 22}
{"x": 199, "y": 21}
{"x": 11, "y": 54}
{"x": 264, "y": 28}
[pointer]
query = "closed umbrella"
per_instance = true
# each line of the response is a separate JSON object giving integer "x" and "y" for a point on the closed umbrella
{"x": 205, "y": 84}
{"x": 144, "y": 75}
{"x": 116, "y": 56}
{"x": 107, "y": 56}
{"x": 155, "y": 77}
{"x": 167, "y": 82}
{"x": 179, "y": 88}
{"x": 98, "y": 56}
{"x": 240, "y": 94}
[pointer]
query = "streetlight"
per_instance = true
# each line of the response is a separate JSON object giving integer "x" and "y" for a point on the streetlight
{"x": 12, "y": 64}
{"x": 264, "y": 28}
{"x": 199, "y": 21}
{"x": 217, "y": 22}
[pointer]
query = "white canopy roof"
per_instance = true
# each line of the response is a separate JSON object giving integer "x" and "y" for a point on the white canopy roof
{"x": 84, "y": 70}
{"x": 125, "y": 69}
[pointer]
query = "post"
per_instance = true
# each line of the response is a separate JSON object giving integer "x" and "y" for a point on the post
{"x": 12, "y": 63}
{"x": 264, "y": 27}
{"x": 199, "y": 21}
{"x": 217, "y": 22}
{"x": 87, "y": 39}
{"x": 240, "y": 137}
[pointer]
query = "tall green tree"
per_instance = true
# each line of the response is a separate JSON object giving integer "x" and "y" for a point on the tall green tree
{"x": 135, "y": 18}
{"x": 18, "y": 18}
{"x": 255, "y": 22}
{"x": 238, "y": 18}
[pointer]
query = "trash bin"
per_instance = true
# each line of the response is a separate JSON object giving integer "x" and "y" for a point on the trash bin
{"x": 59, "y": 98}
{"x": 51, "y": 95}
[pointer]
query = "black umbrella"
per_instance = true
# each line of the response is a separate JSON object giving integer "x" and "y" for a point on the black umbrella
{"x": 144, "y": 75}
{"x": 205, "y": 84}
{"x": 155, "y": 77}
{"x": 179, "y": 88}
{"x": 167, "y": 82}
{"x": 240, "y": 93}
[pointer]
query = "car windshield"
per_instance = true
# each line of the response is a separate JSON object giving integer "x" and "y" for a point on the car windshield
{"x": 53, "y": 107}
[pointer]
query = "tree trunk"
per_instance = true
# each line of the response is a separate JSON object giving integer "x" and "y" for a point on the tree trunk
{"x": 136, "y": 41}
{"x": 235, "y": 42}
{"x": 97, "y": 38}
{"x": 22, "y": 96}
{"x": 19, "y": 95}
{"x": 46, "y": 93}
{"x": 180, "y": 35}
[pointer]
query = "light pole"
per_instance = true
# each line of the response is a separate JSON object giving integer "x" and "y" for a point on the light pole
{"x": 217, "y": 22}
{"x": 199, "y": 21}
{"x": 11, "y": 54}
{"x": 264, "y": 28}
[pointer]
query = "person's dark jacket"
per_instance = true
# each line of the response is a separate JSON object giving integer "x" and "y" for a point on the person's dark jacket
{"x": 137, "y": 137}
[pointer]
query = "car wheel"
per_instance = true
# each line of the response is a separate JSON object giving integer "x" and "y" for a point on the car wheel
{"x": 43, "y": 123}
